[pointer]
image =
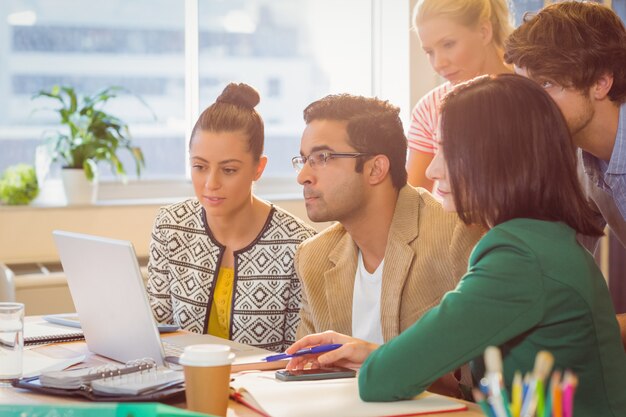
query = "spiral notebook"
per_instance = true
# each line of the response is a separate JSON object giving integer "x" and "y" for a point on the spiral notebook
{"x": 42, "y": 332}
{"x": 134, "y": 378}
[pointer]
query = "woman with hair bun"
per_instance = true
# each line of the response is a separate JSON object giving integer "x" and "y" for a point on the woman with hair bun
{"x": 463, "y": 39}
{"x": 222, "y": 262}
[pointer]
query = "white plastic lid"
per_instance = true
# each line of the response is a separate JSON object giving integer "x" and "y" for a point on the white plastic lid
{"x": 207, "y": 355}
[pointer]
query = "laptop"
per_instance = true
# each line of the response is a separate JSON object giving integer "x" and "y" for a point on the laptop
{"x": 107, "y": 288}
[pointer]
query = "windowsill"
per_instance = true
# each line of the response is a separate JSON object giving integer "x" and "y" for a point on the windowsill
{"x": 124, "y": 212}
{"x": 152, "y": 192}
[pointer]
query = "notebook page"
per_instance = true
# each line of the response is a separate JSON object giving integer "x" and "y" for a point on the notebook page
{"x": 330, "y": 398}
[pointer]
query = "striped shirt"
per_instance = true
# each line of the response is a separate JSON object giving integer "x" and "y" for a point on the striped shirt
{"x": 423, "y": 132}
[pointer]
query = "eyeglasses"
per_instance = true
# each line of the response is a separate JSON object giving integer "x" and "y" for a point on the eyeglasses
{"x": 320, "y": 159}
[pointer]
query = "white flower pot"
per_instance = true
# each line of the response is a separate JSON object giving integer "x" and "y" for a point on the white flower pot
{"x": 78, "y": 189}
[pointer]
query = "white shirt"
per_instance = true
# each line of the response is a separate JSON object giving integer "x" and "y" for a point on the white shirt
{"x": 366, "y": 303}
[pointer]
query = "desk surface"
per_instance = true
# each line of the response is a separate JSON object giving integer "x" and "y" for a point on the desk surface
{"x": 21, "y": 396}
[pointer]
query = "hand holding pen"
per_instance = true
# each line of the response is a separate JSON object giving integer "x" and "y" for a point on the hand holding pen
{"x": 306, "y": 351}
{"x": 352, "y": 352}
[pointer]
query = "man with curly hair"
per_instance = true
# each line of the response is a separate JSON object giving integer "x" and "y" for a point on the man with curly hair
{"x": 577, "y": 52}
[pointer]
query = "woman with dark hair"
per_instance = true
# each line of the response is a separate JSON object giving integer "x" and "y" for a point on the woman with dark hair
{"x": 222, "y": 263}
{"x": 506, "y": 161}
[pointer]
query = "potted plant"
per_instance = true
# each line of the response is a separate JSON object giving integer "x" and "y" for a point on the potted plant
{"x": 18, "y": 184}
{"x": 91, "y": 135}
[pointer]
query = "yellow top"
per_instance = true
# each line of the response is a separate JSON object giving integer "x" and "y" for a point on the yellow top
{"x": 219, "y": 317}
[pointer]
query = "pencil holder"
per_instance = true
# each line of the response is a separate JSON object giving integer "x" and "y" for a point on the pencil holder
{"x": 537, "y": 394}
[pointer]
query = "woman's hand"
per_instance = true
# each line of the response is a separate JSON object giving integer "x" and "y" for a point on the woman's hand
{"x": 352, "y": 354}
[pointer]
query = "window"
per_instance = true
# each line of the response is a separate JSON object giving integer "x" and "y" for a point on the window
{"x": 519, "y": 7}
{"x": 620, "y": 8}
{"x": 273, "y": 87}
{"x": 292, "y": 51}
{"x": 297, "y": 47}
{"x": 92, "y": 45}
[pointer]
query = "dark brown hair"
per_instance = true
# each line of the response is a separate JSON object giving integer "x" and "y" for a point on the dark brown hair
{"x": 573, "y": 44}
{"x": 510, "y": 155}
{"x": 234, "y": 111}
{"x": 373, "y": 127}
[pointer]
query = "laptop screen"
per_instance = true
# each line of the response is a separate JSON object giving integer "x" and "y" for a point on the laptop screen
{"x": 108, "y": 291}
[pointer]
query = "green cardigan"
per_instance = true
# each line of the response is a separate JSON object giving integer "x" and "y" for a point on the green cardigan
{"x": 529, "y": 286}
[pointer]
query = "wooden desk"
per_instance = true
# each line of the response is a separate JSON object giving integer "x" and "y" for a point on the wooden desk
{"x": 21, "y": 396}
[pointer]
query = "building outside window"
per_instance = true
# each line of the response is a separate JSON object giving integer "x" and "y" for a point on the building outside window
{"x": 91, "y": 45}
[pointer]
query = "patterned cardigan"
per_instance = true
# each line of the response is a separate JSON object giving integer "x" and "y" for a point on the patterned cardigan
{"x": 185, "y": 260}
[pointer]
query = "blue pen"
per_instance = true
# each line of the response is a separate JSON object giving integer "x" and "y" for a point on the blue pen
{"x": 306, "y": 351}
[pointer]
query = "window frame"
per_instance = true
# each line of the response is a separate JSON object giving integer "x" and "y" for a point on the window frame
{"x": 390, "y": 67}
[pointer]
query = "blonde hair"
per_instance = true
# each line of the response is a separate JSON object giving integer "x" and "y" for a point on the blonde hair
{"x": 468, "y": 13}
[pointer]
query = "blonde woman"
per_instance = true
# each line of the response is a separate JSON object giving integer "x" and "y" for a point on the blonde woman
{"x": 462, "y": 39}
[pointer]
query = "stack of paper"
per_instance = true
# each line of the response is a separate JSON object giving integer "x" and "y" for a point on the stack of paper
{"x": 34, "y": 363}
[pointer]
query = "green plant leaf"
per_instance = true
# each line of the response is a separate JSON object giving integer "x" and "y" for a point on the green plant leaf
{"x": 91, "y": 168}
{"x": 71, "y": 94}
{"x": 140, "y": 162}
{"x": 91, "y": 134}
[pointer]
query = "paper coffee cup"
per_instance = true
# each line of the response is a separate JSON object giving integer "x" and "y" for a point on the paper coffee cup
{"x": 207, "y": 377}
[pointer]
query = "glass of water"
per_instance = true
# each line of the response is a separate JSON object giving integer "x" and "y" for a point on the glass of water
{"x": 11, "y": 342}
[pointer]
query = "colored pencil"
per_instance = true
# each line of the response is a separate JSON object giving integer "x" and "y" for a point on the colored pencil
{"x": 479, "y": 397}
{"x": 516, "y": 394}
{"x": 555, "y": 387}
{"x": 570, "y": 381}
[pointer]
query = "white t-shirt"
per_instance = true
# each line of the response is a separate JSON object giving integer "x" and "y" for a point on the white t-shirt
{"x": 366, "y": 303}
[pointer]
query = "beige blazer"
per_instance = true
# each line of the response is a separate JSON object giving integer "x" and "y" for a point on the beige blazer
{"x": 426, "y": 255}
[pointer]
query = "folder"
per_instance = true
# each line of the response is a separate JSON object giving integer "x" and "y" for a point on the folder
{"x": 97, "y": 410}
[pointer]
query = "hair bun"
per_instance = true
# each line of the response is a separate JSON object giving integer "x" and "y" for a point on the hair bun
{"x": 241, "y": 95}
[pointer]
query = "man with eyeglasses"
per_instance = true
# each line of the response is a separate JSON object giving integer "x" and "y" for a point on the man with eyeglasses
{"x": 577, "y": 52}
{"x": 393, "y": 252}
